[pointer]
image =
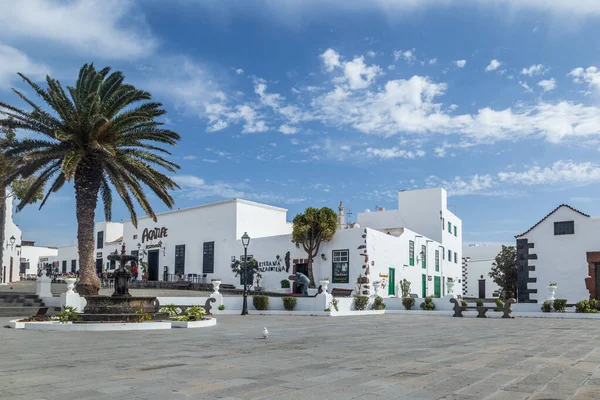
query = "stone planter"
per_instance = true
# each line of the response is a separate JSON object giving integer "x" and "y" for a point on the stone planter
{"x": 376, "y": 286}
{"x": 194, "y": 324}
{"x": 216, "y": 285}
{"x": 551, "y": 292}
{"x": 70, "y": 285}
{"x": 324, "y": 285}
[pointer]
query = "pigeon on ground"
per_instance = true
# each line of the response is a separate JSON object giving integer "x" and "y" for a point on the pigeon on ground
{"x": 265, "y": 333}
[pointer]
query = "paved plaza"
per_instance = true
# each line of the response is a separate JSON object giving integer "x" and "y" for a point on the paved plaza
{"x": 371, "y": 357}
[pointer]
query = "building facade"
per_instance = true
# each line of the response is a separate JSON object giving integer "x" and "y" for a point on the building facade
{"x": 203, "y": 242}
{"x": 477, "y": 264}
{"x": 33, "y": 258}
{"x": 10, "y": 262}
{"x": 561, "y": 248}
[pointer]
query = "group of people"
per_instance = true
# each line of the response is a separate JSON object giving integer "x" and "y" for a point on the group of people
{"x": 106, "y": 274}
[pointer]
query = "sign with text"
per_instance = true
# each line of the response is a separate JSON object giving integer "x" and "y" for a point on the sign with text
{"x": 156, "y": 233}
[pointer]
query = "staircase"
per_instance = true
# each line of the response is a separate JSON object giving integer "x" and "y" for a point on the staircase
{"x": 19, "y": 304}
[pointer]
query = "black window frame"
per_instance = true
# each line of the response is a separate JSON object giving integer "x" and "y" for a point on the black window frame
{"x": 73, "y": 266}
{"x": 179, "y": 266}
{"x": 337, "y": 278}
{"x": 64, "y": 267}
{"x": 100, "y": 240}
{"x": 558, "y": 231}
{"x": 208, "y": 260}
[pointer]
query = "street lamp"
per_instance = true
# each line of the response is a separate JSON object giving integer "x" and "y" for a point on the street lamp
{"x": 245, "y": 243}
{"x": 12, "y": 241}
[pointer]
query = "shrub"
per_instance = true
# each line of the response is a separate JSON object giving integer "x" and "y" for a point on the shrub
{"x": 405, "y": 287}
{"x": 215, "y": 279}
{"x": 334, "y": 303}
{"x": 547, "y": 306}
{"x": 559, "y": 305}
{"x": 463, "y": 303}
{"x": 378, "y": 303}
{"x": 360, "y": 302}
{"x": 261, "y": 303}
{"x": 479, "y": 303}
{"x": 289, "y": 303}
{"x": 171, "y": 309}
{"x": 499, "y": 305}
{"x": 594, "y": 304}
{"x": 221, "y": 307}
{"x": 408, "y": 302}
{"x": 144, "y": 316}
{"x": 428, "y": 304}
{"x": 68, "y": 314}
{"x": 285, "y": 284}
{"x": 584, "y": 306}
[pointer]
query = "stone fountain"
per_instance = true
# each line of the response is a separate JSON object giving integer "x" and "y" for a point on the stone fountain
{"x": 121, "y": 305}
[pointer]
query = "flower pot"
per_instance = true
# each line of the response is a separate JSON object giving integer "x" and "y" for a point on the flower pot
{"x": 450, "y": 286}
{"x": 70, "y": 284}
{"x": 551, "y": 291}
{"x": 216, "y": 285}
{"x": 324, "y": 285}
{"x": 376, "y": 286}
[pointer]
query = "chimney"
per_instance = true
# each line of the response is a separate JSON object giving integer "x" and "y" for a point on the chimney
{"x": 341, "y": 217}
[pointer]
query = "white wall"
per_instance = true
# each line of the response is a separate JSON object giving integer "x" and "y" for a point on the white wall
{"x": 35, "y": 256}
{"x": 260, "y": 219}
{"x": 562, "y": 258}
{"x": 65, "y": 253}
{"x": 10, "y": 252}
{"x": 479, "y": 260}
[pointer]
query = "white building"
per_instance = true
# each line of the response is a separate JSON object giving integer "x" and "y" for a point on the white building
{"x": 563, "y": 248}
{"x": 477, "y": 263}
{"x": 385, "y": 246}
{"x": 34, "y": 257}
{"x": 12, "y": 246}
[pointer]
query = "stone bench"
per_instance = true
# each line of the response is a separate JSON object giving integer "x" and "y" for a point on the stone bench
{"x": 182, "y": 284}
{"x": 482, "y": 310}
{"x": 338, "y": 292}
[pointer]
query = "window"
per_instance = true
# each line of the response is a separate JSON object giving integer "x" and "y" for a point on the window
{"x": 64, "y": 266}
{"x": 208, "y": 260}
{"x": 455, "y": 231}
{"x": 449, "y": 255}
{"x": 340, "y": 266}
{"x": 437, "y": 260}
{"x": 73, "y": 266}
{"x": 564, "y": 228}
{"x": 455, "y": 258}
{"x": 134, "y": 237}
{"x": 443, "y": 253}
{"x": 449, "y": 227}
{"x": 100, "y": 240}
{"x": 423, "y": 256}
{"x": 411, "y": 252}
{"x": 180, "y": 259}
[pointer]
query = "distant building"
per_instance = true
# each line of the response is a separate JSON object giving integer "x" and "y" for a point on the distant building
{"x": 34, "y": 258}
{"x": 477, "y": 264}
{"x": 562, "y": 248}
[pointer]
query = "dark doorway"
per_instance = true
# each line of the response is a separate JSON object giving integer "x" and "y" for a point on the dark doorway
{"x": 11, "y": 270}
{"x": 482, "y": 288}
{"x": 23, "y": 268}
{"x": 303, "y": 269}
{"x": 99, "y": 262}
{"x": 153, "y": 265}
{"x": 597, "y": 278}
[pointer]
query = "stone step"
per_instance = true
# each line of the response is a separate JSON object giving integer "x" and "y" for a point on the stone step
{"x": 18, "y": 311}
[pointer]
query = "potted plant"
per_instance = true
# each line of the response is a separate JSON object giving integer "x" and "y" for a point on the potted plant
{"x": 258, "y": 277}
{"x": 376, "y": 286}
{"x": 551, "y": 291}
{"x": 324, "y": 283}
{"x": 216, "y": 283}
{"x": 450, "y": 285}
{"x": 70, "y": 280}
{"x": 285, "y": 286}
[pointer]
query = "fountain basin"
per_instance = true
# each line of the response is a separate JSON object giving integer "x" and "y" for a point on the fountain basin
{"x": 120, "y": 308}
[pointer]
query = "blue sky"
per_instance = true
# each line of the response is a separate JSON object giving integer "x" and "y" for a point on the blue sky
{"x": 301, "y": 103}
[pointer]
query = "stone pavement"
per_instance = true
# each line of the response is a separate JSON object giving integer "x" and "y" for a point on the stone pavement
{"x": 371, "y": 357}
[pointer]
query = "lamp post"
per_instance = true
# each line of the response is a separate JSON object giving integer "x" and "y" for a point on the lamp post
{"x": 245, "y": 243}
{"x": 12, "y": 242}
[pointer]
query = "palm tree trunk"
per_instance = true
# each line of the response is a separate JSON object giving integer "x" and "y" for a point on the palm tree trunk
{"x": 2, "y": 225}
{"x": 87, "y": 184}
{"x": 311, "y": 274}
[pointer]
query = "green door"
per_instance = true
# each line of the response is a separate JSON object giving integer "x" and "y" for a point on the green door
{"x": 424, "y": 286}
{"x": 392, "y": 282}
{"x": 436, "y": 286}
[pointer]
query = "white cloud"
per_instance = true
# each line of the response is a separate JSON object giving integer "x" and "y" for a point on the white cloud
{"x": 547, "y": 84}
{"x": 273, "y": 144}
{"x": 561, "y": 172}
{"x": 331, "y": 59}
{"x": 345, "y": 148}
{"x": 207, "y": 160}
{"x": 536, "y": 69}
{"x": 493, "y": 65}
{"x": 371, "y": 53}
{"x": 525, "y": 86}
{"x": 189, "y": 157}
{"x": 432, "y": 61}
{"x": 460, "y": 63}
{"x": 393, "y": 152}
{"x": 590, "y": 75}
{"x": 406, "y": 55}
{"x": 477, "y": 184}
{"x": 239, "y": 71}
{"x": 13, "y": 61}
{"x": 288, "y": 130}
{"x": 358, "y": 74}
{"x": 110, "y": 29}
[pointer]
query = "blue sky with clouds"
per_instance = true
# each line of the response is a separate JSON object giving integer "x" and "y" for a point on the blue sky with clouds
{"x": 306, "y": 103}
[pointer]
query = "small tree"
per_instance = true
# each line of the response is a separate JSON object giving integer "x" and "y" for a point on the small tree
{"x": 504, "y": 272}
{"x": 313, "y": 227}
{"x": 237, "y": 267}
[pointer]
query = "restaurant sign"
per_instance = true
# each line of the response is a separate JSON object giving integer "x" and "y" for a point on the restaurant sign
{"x": 155, "y": 233}
{"x": 271, "y": 266}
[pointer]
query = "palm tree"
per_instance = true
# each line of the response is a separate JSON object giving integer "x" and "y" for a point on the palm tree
{"x": 98, "y": 137}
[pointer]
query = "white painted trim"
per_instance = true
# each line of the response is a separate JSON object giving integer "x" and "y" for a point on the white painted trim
{"x": 194, "y": 324}
{"x": 118, "y": 326}
{"x": 419, "y": 312}
{"x": 353, "y": 313}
